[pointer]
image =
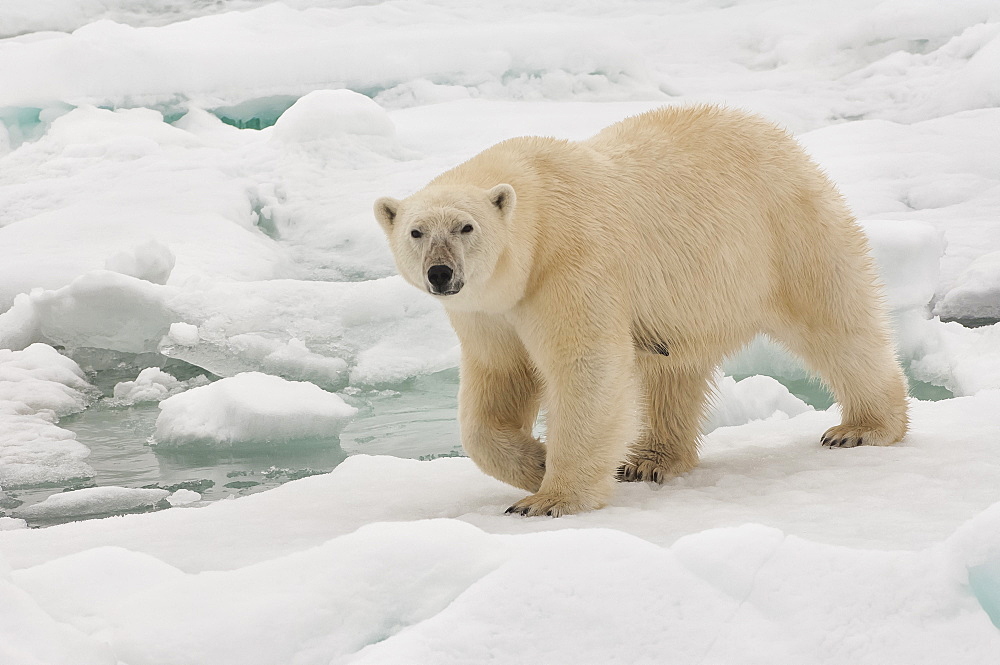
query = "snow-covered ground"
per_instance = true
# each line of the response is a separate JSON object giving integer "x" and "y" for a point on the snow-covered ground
{"x": 185, "y": 194}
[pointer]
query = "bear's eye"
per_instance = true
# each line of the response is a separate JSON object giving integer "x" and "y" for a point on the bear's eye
{"x": 415, "y": 233}
{"x": 467, "y": 228}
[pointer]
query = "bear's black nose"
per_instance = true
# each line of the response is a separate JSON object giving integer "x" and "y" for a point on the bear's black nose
{"x": 439, "y": 275}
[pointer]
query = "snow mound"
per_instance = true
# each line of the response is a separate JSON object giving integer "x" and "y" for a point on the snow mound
{"x": 332, "y": 114}
{"x": 250, "y": 408}
{"x": 38, "y": 385}
{"x": 93, "y": 501}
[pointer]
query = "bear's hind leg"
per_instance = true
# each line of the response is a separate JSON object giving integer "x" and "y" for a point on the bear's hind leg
{"x": 675, "y": 399}
{"x": 834, "y": 321}
{"x": 868, "y": 383}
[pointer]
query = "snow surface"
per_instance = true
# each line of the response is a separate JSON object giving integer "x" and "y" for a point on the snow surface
{"x": 192, "y": 181}
{"x": 773, "y": 550}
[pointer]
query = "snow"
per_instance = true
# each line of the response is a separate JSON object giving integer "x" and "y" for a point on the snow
{"x": 250, "y": 408}
{"x": 773, "y": 546}
{"x": 191, "y": 182}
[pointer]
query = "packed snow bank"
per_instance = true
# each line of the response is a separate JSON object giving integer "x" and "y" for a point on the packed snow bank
{"x": 794, "y": 545}
{"x": 319, "y": 48}
{"x": 38, "y": 385}
{"x": 125, "y": 190}
{"x": 250, "y": 409}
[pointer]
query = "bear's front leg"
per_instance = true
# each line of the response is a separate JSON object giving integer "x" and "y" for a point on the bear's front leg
{"x": 591, "y": 398}
{"x": 498, "y": 400}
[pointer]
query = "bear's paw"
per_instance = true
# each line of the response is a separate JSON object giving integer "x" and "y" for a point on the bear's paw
{"x": 849, "y": 436}
{"x": 553, "y": 504}
{"x": 652, "y": 468}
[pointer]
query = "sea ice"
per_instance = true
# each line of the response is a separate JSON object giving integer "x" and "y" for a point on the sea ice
{"x": 250, "y": 409}
{"x": 753, "y": 398}
{"x": 121, "y": 156}
{"x": 93, "y": 501}
{"x": 152, "y": 385}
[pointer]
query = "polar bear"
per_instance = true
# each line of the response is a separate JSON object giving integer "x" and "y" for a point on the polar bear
{"x": 605, "y": 280}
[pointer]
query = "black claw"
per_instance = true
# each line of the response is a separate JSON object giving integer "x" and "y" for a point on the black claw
{"x": 826, "y": 441}
{"x": 509, "y": 510}
{"x": 861, "y": 441}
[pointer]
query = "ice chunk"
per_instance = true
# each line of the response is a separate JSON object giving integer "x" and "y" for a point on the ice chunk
{"x": 34, "y": 451}
{"x": 43, "y": 380}
{"x": 151, "y": 261}
{"x": 93, "y": 501}
{"x": 152, "y": 385}
{"x": 185, "y": 334}
{"x": 183, "y": 497}
{"x": 100, "y": 309}
{"x": 250, "y": 408}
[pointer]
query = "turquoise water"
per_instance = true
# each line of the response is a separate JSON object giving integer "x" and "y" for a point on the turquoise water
{"x": 416, "y": 419}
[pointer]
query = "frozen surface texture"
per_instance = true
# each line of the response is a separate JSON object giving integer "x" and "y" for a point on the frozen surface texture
{"x": 191, "y": 182}
{"x": 773, "y": 546}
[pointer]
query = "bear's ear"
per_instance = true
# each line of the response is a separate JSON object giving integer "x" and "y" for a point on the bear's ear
{"x": 385, "y": 212}
{"x": 504, "y": 198}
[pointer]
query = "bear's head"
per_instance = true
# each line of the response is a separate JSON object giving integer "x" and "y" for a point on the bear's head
{"x": 448, "y": 240}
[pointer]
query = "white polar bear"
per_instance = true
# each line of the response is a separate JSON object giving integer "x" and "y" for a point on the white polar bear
{"x": 605, "y": 280}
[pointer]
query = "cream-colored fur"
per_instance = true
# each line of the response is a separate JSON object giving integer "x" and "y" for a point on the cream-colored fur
{"x": 604, "y": 280}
